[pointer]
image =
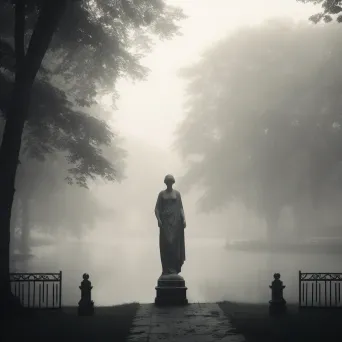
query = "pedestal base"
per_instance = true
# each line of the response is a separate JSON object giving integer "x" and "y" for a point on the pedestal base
{"x": 171, "y": 290}
{"x": 85, "y": 309}
{"x": 277, "y": 307}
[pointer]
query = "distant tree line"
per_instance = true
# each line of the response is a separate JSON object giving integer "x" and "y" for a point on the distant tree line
{"x": 263, "y": 123}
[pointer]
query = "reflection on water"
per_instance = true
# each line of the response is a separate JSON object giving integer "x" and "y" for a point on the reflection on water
{"x": 126, "y": 271}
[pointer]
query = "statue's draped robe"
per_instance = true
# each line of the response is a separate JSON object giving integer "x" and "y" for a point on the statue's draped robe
{"x": 171, "y": 236}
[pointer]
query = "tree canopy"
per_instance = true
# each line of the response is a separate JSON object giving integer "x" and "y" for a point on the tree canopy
{"x": 93, "y": 44}
{"x": 96, "y": 42}
{"x": 83, "y": 60}
{"x": 331, "y": 9}
{"x": 262, "y": 118}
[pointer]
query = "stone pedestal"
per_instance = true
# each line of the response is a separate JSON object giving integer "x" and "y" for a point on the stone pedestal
{"x": 277, "y": 307}
{"x": 171, "y": 290}
{"x": 85, "y": 308}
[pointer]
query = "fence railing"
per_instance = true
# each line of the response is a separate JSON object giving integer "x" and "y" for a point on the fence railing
{"x": 38, "y": 290}
{"x": 44, "y": 290}
{"x": 321, "y": 290}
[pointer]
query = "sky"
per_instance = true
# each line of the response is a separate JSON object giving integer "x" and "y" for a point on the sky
{"x": 150, "y": 110}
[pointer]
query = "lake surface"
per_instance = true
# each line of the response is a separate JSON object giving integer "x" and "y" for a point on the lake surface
{"x": 127, "y": 270}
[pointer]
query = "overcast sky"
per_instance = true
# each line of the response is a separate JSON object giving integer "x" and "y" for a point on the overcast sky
{"x": 150, "y": 110}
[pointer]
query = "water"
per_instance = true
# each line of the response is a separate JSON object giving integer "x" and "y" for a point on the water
{"x": 124, "y": 271}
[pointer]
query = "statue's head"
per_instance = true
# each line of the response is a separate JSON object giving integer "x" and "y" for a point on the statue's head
{"x": 276, "y": 276}
{"x": 85, "y": 276}
{"x": 169, "y": 180}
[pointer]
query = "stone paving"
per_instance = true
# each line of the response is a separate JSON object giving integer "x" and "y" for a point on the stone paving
{"x": 191, "y": 323}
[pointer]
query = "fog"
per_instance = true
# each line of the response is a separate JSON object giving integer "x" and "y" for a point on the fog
{"x": 122, "y": 254}
{"x": 120, "y": 248}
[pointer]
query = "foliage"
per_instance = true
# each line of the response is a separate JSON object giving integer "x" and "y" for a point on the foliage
{"x": 57, "y": 130}
{"x": 106, "y": 44}
{"x": 99, "y": 41}
{"x": 54, "y": 124}
{"x": 94, "y": 44}
{"x": 262, "y": 117}
{"x": 331, "y": 9}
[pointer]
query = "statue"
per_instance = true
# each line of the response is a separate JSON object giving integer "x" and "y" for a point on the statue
{"x": 277, "y": 303}
{"x": 85, "y": 305}
{"x": 171, "y": 222}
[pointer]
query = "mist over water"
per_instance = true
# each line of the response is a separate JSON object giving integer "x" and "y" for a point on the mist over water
{"x": 127, "y": 270}
{"x": 122, "y": 256}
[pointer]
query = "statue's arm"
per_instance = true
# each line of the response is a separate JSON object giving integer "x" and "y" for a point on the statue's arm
{"x": 157, "y": 208}
{"x": 181, "y": 207}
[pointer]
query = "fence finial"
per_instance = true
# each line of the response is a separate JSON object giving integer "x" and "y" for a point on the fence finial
{"x": 277, "y": 303}
{"x": 85, "y": 305}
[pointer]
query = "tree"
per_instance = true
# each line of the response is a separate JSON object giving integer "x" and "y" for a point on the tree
{"x": 107, "y": 18}
{"x": 261, "y": 118}
{"x": 26, "y": 71}
{"x": 54, "y": 126}
{"x": 330, "y": 9}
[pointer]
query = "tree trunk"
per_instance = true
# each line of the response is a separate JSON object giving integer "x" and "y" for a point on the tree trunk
{"x": 47, "y": 22}
{"x": 8, "y": 164}
{"x": 2, "y": 126}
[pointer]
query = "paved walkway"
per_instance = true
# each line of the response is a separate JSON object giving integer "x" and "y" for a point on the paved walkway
{"x": 192, "y": 323}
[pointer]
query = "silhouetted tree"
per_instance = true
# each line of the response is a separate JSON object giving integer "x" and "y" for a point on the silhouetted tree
{"x": 114, "y": 27}
{"x": 330, "y": 9}
{"x": 55, "y": 125}
{"x": 262, "y": 118}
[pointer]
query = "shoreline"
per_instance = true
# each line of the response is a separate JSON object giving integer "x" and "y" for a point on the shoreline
{"x": 284, "y": 248}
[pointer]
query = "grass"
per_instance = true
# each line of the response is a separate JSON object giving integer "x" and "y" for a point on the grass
{"x": 108, "y": 324}
{"x": 255, "y": 323}
{"x": 113, "y": 324}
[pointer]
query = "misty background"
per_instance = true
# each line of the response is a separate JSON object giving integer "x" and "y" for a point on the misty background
{"x": 239, "y": 73}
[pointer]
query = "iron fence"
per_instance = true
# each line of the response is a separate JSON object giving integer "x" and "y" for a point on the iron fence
{"x": 320, "y": 290}
{"x": 38, "y": 290}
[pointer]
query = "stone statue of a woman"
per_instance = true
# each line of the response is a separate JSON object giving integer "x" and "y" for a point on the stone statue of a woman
{"x": 171, "y": 221}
